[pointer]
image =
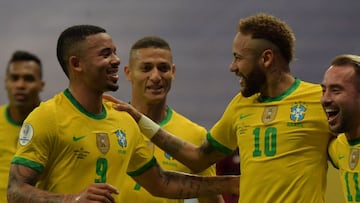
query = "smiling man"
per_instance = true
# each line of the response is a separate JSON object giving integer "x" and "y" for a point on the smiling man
{"x": 23, "y": 83}
{"x": 76, "y": 148}
{"x": 341, "y": 102}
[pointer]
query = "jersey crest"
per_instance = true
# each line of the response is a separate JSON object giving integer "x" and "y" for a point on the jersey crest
{"x": 353, "y": 158}
{"x": 269, "y": 114}
{"x": 121, "y": 137}
{"x": 103, "y": 142}
{"x": 297, "y": 112}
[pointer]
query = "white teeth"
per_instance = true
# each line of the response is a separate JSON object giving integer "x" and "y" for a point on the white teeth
{"x": 330, "y": 110}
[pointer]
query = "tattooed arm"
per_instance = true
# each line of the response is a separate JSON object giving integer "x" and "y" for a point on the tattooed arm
{"x": 197, "y": 158}
{"x": 21, "y": 189}
{"x": 177, "y": 185}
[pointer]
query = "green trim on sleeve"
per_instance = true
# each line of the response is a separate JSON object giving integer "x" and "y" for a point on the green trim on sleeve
{"x": 140, "y": 171}
{"x": 28, "y": 163}
{"x": 217, "y": 145}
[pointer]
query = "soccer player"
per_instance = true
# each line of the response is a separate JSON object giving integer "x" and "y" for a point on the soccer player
{"x": 276, "y": 121}
{"x": 151, "y": 72}
{"x": 341, "y": 102}
{"x": 23, "y": 83}
{"x": 76, "y": 148}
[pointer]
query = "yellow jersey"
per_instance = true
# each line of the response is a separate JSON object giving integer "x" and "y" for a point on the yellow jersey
{"x": 9, "y": 133}
{"x": 73, "y": 148}
{"x": 178, "y": 125}
{"x": 345, "y": 156}
{"x": 282, "y": 144}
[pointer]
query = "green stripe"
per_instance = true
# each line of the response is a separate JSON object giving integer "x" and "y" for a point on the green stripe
{"x": 28, "y": 163}
{"x": 72, "y": 99}
{"x": 169, "y": 114}
{"x": 354, "y": 142}
{"x": 217, "y": 145}
{"x": 283, "y": 95}
{"x": 8, "y": 117}
{"x": 140, "y": 171}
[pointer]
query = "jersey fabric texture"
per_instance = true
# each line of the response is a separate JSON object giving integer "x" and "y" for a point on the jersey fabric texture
{"x": 9, "y": 133}
{"x": 282, "y": 144}
{"x": 182, "y": 127}
{"x": 73, "y": 148}
{"x": 345, "y": 156}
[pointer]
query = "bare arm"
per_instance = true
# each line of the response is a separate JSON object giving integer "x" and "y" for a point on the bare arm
{"x": 176, "y": 185}
{"x": 21, "y": 189}
{"x": 197, "y": 158}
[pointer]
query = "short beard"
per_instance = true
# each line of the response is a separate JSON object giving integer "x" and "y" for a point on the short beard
{"x": 113, "y": 88}
{"x": 253, "y": 83}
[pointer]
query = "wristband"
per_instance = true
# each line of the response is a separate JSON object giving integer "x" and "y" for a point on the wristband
{"x": 77, "y": 199}
{"x": 148, "y": 127}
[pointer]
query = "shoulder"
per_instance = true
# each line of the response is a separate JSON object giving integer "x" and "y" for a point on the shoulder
{"x": 122, "y": 116}
{"x": 313, "y": 86}
{"x": 183, "y": 121}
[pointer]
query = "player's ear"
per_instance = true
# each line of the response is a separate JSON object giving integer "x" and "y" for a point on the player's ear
{"x": 127, "y": 72}
{"x": 267, "y": 57}
{"x": 173, "y": 70}
{"x": 74, "y": 62}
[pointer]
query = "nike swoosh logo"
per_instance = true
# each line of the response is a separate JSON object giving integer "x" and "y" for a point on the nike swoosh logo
{"x": 341, "y": 156}
{"x": 245, "y": 116}
{"x": 75, "y": 139}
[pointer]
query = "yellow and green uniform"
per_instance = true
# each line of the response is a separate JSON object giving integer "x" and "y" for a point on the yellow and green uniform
{"x": 9, "y": 133}
{"x": 345, "y": 156}
{"x": 282, "y": 144}
{"x": 182, "y": 127}
{"x": 73, "y": 148}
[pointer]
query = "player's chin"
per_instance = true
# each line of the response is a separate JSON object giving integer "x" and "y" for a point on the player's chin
{"x": 112, "y": 87}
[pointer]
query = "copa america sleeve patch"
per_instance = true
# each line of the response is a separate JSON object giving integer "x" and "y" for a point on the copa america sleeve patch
{"x": 26, "y": 134}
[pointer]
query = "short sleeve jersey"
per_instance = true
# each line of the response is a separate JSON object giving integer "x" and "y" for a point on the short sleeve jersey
{"x": 73, "y": 148}
{"x": 282, "y": 144}
{"x": 345, "y": 156}
{"x": 9, "y": 133}
{"x": 182, "y": 127}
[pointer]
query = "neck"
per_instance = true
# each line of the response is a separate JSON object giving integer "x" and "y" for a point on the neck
{"x": 89, "y": 99}
{"x": 353, "y": 135}
{"x": 277, "y": 85}
{"x": 18, "y": 114}
{"x": 156, "y": 111}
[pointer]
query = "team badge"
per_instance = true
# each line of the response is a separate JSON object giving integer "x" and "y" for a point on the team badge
{"x": 103, "y": 142}
{"x": 26, "y": 134}
{"x": 353, "y": 158}
{"x": 121, "y": 137}
{"x": 297, "y": 112}
{"x": 269, "y": 114}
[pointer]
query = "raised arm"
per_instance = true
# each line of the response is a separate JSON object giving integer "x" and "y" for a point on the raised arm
{"x": 177, "y": 185}
{"x": 23, "y": 179}
{"x": 197, "y": 158}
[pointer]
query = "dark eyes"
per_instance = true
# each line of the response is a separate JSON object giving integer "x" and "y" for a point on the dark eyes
{"x": 162, "y": 67}
{"x": 27, "y": 78}
{"x": 107, "y": 52}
